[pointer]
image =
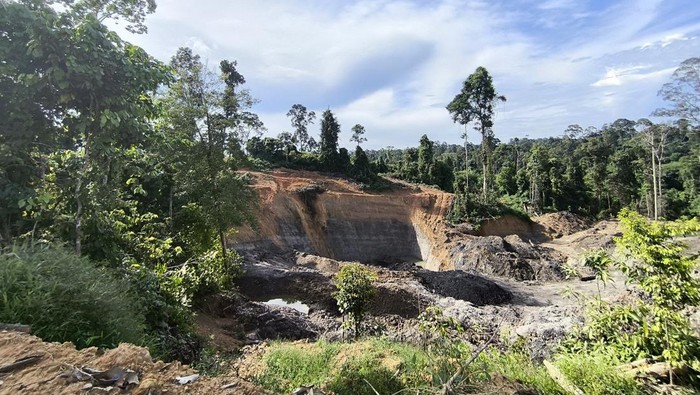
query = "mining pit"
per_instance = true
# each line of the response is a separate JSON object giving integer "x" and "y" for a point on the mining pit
{"x": 503, "y": 274}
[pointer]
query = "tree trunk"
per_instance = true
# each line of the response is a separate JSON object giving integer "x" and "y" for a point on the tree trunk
{"x": 484, "y": 187}
{"x": 224, "y": 247}
{"x": 78, "y": 201}
{"x": 653, "y": 181}
{"x": 466, "y": 159}
{"x": 485, "y": 164}
{"x": 170, "y": 206}
{"x": 658, "y": 175}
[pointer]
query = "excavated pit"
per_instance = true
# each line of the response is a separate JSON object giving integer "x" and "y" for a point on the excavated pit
{"x": 302, "y": 211}
{"x": 309, "y": 225}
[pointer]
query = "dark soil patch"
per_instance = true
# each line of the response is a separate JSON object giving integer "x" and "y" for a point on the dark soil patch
{"x": 465, "y": 286}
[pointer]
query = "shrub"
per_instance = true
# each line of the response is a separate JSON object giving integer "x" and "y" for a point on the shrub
{"x": 355, "y": 292}
{"x": 169, "y": 324}
{"x": 68, "y": 298}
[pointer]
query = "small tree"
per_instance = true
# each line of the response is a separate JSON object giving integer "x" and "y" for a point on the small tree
{"x": 665, "y": 276}
{"x": 355, "y": 292}
{"x": 599, "y": 261}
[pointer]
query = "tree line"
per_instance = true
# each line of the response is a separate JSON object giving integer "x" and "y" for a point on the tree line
{"x": 652, "y": 168}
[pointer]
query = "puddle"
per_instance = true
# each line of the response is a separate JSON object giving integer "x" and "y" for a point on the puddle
{"x": 294, "y": 304}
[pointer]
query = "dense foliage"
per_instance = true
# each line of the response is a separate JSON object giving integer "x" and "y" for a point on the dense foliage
{"x": 128, "y": 161}
{"x": 593, "y": 172}
{"x": 656, "y": 323}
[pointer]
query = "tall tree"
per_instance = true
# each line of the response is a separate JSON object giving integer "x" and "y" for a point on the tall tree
{"x": 683, "y": 92}
{"x": 425, "y": 160}
{"x": 204, "y": 111}
{"x": 474, "y": 103}
{"x": 329, "y": 141}
{"x": 301, "y": 118}
{"x": 67, "y": 80}
{"x": 358, "y": 132}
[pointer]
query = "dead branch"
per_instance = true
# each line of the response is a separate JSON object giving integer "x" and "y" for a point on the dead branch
{"x": 447, "y": 387}
{"x": 560, "y": 379}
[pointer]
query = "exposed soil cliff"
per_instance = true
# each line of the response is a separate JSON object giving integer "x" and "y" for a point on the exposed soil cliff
{"x": 334, "y": 218}
{"x": 330, "y": 217}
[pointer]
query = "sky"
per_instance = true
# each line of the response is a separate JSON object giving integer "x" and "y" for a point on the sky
{"x": 393, "y": 66}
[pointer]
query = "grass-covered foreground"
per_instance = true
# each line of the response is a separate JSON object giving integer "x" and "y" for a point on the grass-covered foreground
{"x": 379, "y": 366}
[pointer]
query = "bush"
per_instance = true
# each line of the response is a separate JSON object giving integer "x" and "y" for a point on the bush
{"x": 68, "y": 298}
{"x": 355, "y": 292}
{"x": 169, "y": 324}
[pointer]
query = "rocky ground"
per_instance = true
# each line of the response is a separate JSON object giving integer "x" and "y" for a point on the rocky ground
{"x": 535, "y": 307}
{"x": 532, "y": 307}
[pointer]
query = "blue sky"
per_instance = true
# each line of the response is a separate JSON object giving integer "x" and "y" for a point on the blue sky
{"x": 393, "y": 66}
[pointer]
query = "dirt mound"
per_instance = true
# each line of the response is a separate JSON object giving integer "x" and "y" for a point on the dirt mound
{"x": 508, "y": 257}
{"x": 468, "y": 287}
{"x": 600, "y": 235}
{"x": 507, "y": 225}
{"x": 562, "y": 223}
{"x": 53, "y": 372}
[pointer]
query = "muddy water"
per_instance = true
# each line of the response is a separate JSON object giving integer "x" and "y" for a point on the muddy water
{"x": 294, "y": 304}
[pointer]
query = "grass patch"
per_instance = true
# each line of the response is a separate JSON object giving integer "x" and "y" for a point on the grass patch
{"x": 64, "y": 297}
{"x": 344, "y": 368}
{"x": 595, "y": 373}
{"x": 517, "y": 367}
{"x": 347, "y": 368}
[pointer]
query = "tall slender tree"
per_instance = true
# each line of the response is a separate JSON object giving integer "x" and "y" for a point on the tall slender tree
{"x": 358, "y": 132}
{"x": 475, "y": 103}
{"x": 301, "y": 118}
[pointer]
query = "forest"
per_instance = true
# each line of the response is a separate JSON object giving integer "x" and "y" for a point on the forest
{"x": 119, "y": 168}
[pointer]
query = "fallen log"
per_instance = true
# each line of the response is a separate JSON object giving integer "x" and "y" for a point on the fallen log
{"x": 21, "y": 363}
{"x": 652, "y": 367}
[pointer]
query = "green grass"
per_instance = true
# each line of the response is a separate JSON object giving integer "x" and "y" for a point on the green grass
{"x": 344, "y": 368}
{"x": 517, "y": 367}
{"x": 347, "y": 368}
{"x": 595, "y": 373}
{"x": 64, "y": 297}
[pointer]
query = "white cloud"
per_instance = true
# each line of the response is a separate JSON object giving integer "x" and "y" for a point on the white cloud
{"x": 393, "y": 65}
{"x": 624, "y": 75}
{"x": 668, "y": 40}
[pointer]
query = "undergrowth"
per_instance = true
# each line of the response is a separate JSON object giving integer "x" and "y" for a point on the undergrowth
{"x": 389, "y": 368}
{"x": 64, "y": 297}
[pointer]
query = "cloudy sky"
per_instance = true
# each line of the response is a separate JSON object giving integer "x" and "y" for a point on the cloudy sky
{"x": 393, "y": 66}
